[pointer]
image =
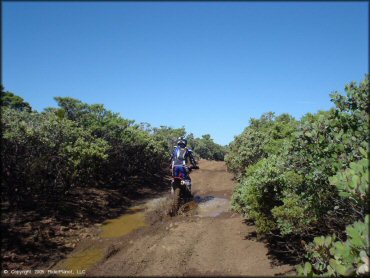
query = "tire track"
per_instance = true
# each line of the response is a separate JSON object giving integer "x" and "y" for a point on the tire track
{"x": 192, "y": 245}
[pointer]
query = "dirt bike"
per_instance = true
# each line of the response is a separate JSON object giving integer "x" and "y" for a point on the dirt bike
{"x": 181, "y": 190}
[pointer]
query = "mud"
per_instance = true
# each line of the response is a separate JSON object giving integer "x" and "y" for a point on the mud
{"x": 210, "y": 206}
{"x": 38, "y": 237}
{"x": 206, "y": 238}
{"x": 130, "y": 221}
{"x": 83, "y": 260}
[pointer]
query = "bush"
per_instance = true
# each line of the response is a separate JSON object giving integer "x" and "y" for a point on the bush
{"x": 78, "y": 144}
{"x": 329, "y": 256}
{"x": 205, "y": 148}
{"x": 10, "y": 100}
{"x": 353, "y": 184}
{"x": 266, "y": 195}
{"x": 263, "y": 137}
{"x": 44, "y": 155}
{"x": 307, "y": 178}
{"x": 326, "y": 256}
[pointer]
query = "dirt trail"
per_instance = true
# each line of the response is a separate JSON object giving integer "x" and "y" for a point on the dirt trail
{"x": 191, "y": 245}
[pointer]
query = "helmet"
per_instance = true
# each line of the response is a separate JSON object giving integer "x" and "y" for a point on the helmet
{"x": 182, "y": 142}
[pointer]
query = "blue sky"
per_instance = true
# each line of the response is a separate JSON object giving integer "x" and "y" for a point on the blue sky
{"x": 207, "y": 66}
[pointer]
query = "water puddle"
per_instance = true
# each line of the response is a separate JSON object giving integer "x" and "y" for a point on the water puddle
{"x": 82, "y": 261}
{"x": 210, "y": 206}
{"x": 205, "y": 206}
{"x": 123, "y": 225}
{"x": 133, "y": 219}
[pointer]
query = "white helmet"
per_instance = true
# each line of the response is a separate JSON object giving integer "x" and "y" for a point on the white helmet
{"x": 181, "y": 141}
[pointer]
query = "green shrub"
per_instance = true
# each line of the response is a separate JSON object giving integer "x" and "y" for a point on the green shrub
{"x": 294, "y": 215}
{"x": 78, "y": 144}
{"x": 263, "y": 137}
{"x": 329, "y": 256}
{"x": 260, "y": 191}
{"x": 8, "y": 99}
{"x": 309, "y": 178}
{"x": 325, "y": 143}
{"x": 44, "y": 155}
{"x": 205, "y": 148}
{"x": 353, "y": 183}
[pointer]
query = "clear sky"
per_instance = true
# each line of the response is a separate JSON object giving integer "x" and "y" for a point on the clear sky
{"x": 207, "y": 66}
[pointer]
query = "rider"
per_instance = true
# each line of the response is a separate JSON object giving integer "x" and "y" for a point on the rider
{"x": 180, "y": 157}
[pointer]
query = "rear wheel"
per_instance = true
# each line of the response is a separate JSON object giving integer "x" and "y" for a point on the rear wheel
{"x": 175, "y": 202}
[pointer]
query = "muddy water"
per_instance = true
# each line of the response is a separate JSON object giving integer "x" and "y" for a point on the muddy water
{"x": 133, "y": 219}
{"x": 210, "y": 206}
{"x": 82, "y": 261}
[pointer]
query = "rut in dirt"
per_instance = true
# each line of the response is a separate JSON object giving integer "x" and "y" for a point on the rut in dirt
{"x": 205, "y": 239}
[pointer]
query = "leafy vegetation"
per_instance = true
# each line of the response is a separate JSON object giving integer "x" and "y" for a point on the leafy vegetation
{"x": 328, "y": 256}
{"x": 264, "y": 136}
{"x": 75, "y": 164}
{"x": 205, "y": 148}
{"x": 304, "y": 178}
{"x": 309, "y": 177}
{"x": 15, "y": 102}
{"x": 77, "y": 144}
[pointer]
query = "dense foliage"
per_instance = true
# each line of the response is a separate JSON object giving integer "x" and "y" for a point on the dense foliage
{"x": 331, "y": 257}
{"x": 309, "y": 177}
{"x": 205, "y": 148}
{"x": 15, "y": 102}
{"x": 46, "y": 153}
{"x": 264, "y": 136}
{"x": 328, "y": 256}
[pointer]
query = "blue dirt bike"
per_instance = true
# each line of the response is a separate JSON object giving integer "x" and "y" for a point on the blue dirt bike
{"x": 181, "y": 189}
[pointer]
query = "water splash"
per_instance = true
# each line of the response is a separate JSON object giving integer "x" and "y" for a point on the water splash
{"x": 210, "y": 206}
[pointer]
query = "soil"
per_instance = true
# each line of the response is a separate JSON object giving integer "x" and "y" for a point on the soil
{"x": 205, "y": 239}
{"x": 40, "y": 236}
{"x": 189, "y": 245}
